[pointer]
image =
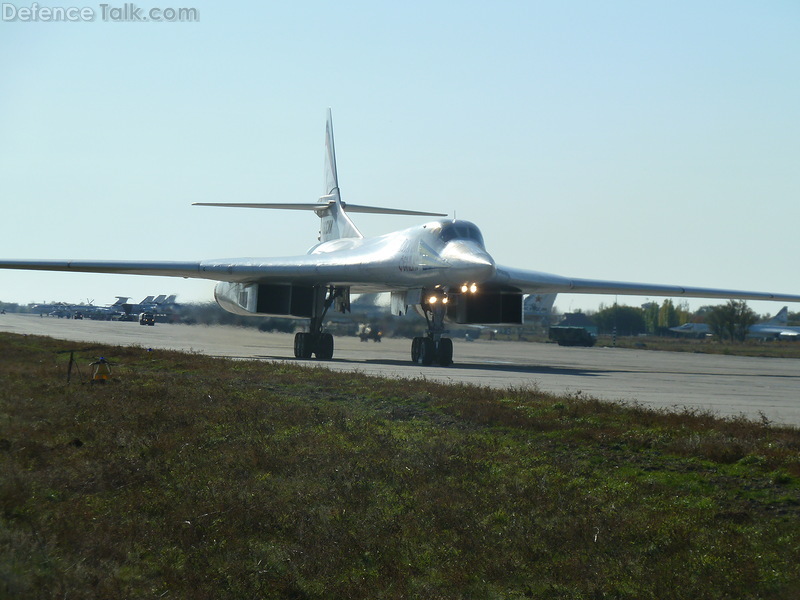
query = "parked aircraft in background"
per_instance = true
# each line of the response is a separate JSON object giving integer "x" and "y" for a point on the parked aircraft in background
{"x": 70, "y": 311}
{"x": 776, "y": 328}
{"x": 151, "y": 304}
{"x": 441, "y": 268}
{"x": 538, "y": 307}
{"x": 106, "y": 313}
{"x": 55, "y": 309}
{"x": 120, "y": 309}
{"x": 698, "y": 330}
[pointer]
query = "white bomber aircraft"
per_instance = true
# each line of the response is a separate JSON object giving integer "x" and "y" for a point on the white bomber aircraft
{"x": 441, "y": 268}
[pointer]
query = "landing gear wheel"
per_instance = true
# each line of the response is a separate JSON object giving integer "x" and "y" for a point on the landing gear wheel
{"x": 324, "y": 349}
{"x": 302, "y": 345}
{"x": 416, "y": 344}
{"x": 444, "y": 352}
{"x": 427, "y": 352}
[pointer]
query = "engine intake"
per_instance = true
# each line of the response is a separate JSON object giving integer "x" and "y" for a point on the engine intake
{"x": 265, "y": 299}
{"x": 490, "y": 307}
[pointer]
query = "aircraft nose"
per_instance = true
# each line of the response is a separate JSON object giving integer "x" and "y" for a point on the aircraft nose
{"x": 468, "y": 261}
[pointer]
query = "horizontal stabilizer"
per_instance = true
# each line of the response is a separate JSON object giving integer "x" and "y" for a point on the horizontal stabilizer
{"x": 295, "y": 206}
{"x": 358, "y": 208}
{"x": 355, "y": 208}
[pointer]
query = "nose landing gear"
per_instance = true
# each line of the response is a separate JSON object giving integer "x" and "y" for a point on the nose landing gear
{"x": 426, "y": 351}
{"x": 433, "y": 348}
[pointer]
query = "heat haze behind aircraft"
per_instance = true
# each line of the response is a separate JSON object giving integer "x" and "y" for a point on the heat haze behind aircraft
{"x": 441, "y": 269}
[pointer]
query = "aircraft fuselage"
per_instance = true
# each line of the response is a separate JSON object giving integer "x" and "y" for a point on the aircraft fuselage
{"x": 442, "y": 254}
{"x": 439, "y": 253}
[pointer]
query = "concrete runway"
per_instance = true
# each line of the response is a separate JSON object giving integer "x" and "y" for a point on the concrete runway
{"x": 726, "y": 385}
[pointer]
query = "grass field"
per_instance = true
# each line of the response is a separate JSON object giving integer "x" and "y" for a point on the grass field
{"x": 192, "y": 477}
{"x": 751, "y": 347}
{"x": 770, "y": 349}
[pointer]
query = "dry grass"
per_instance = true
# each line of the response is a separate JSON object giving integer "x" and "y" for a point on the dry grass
{"x": 188, "y": 476}
{"x": 767, "y": 349}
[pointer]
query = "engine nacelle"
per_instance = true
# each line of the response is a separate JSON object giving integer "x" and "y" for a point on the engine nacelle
{"x": 250, "y": 299}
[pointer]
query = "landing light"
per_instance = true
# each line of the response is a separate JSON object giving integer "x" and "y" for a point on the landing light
{"x": 473, "y": 288}
{"x": 432, "y": 300}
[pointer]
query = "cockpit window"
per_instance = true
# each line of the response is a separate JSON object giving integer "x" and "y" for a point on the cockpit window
{"x": 461, "y": 230}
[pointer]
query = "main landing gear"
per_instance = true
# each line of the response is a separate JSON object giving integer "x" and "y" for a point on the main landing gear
{"x": 316, "y": 342}
{"x": 319, "y": 344}
{"x": 433, "y": 348}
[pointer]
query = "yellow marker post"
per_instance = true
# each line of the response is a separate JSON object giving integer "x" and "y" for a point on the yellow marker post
{"x": 102, "y": 371}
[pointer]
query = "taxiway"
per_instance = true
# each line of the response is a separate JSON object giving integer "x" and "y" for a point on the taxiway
{"x": 726, "y": 385}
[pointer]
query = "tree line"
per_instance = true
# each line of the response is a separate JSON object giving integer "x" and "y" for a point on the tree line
{"x": 729, "y": 321}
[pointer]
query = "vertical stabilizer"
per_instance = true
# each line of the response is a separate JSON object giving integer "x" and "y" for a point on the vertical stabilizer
{"x": 335, "y": 223}
{"x": 330, "y": 208}
{"x": 331, "y": 176}
{"x": 782, "y": 318}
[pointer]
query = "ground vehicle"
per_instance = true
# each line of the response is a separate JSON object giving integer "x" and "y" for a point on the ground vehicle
{"x": 572, "y": 336}
{"x": 147, "y": 318}
{"x": 366, "y": 332}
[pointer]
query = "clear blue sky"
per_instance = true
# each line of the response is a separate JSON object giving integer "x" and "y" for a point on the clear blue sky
{"x": 637, "y": 141}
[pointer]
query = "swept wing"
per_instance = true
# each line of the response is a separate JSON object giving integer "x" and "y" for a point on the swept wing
{"x": 535, "y": 282}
